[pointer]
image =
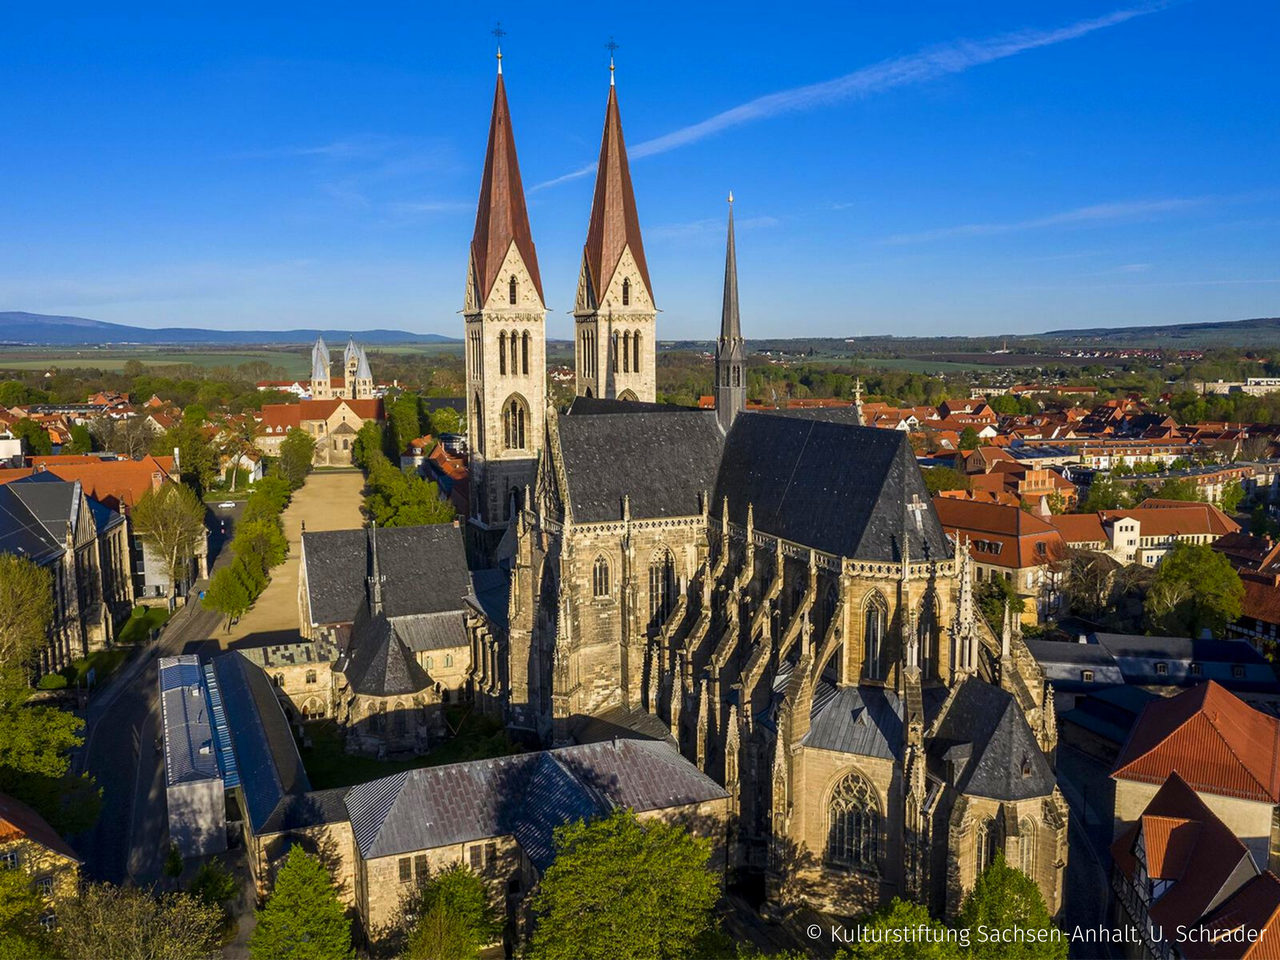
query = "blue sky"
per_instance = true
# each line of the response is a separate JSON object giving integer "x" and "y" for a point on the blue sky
{"x": 927, "y": 168}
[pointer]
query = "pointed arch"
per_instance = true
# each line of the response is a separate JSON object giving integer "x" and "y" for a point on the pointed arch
{"x": 626, "y": 291}
{"x": 662, "y": 585}
{"x": 524, "y": 353}
{"x": 477, "y": 411}
{"x": 600, "y": 577}
{"x": 515, "y": 352}
{"x": 875, "y": 629}
{"x": 927, "y": 634}
{"x": 616, "y": 343}
{"x": 515, "y": 418}
{"x": 853, "y": 824}
{"x": 502, "y": 353}
{"x": 512, "y": 290}
{"x": 986, "y": 843}
{"x": 627, "y": 395}
{"x": 1027, "y": 846}
{"x": 626, "y": 351}
{"x": 635, "y": 352}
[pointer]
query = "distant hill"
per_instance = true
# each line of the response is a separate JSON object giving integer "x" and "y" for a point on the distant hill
{"x": 45, "y": 330}
{"x": 1254, "y": 332}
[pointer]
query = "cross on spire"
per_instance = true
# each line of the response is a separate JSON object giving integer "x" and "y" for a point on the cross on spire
{"x": 611, "y": 46}
{"x": 498, "y": 34}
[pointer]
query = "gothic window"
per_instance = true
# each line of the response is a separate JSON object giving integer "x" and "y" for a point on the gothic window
{"x": 502, "y": 352}
{"x": 986, "y": 842}
{"x": 477, "y": 411}
{"x": 635, "y": 351}
{"x": 626, "y": 395}
{"x": 398, "y": 718}
{"x": 515, "y": 348}
{"x": 524, "y": 353}
{"x": 514, "y": 415}
{"x": 662, "y": 586}
{"x": 626, "y": 352}
{"x": 853, "y": 824}
{"x": 875, "y": 618}
{"x": 311, "y": 676}
{"x": 600, "y": 578}
{"x": 1027, "y": 846}
{"x": 615, "y": 353}
{"x": 927, "y": 628}
{"x": 511, "y": 289}
{"x": 737, "y": 376}
{"x": 626, "y": 292}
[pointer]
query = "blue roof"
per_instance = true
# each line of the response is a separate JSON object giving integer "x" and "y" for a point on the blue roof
{"x": 188, "y": 732}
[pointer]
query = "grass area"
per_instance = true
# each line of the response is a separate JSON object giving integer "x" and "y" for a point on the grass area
{"x": 137, "y": 629}
{"x": 296, "y": 363}
{"x": 329, "y": 765}
{"x": 103, "y": 663}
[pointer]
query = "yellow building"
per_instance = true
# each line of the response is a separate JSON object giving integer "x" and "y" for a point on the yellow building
{"x": 28, "y": 843}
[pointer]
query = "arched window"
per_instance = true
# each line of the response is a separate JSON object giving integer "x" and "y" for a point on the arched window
{"x": 399, "y": 719}
{"x": 600, "y": 578}
{"x": 626, "y": 395}
{"x": 524, "y": 353}
{"x": 514, "y": 414}
{"x": 626, "y": 352}
{"x": 311, "y": 676}
{"x": 477, "y": 412}
{"x": 986, "y": 843}
{"x": 853, "y": 824}
{"x": 875, "y": 618}
{"x": 737, "y": 376}
{"x": 1027, "y": 846}
{"x": 502, "y": 352}
{"x": 615, "y": 352}
{"x": 927, "y": 631}
{"x": 278, "y": 679}
{"x": 626, "y": 291}
{"x": 515, "y": 351}
{"x": 662, "y": 586}
{"x": 511, "y": 289}
{"x": 635, "y": 352}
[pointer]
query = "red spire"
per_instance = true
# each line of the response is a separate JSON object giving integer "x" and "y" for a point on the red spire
{"x": 501, "y": 216}
{"x": 614, "y": 223}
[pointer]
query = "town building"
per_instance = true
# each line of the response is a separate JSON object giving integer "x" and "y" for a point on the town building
{"x": 332, "y": 423}
{"x": 84, "y": 545}
{"x": 356, "y": 383}
{"x": 1257, "y": 561}
{"x": 29, "y": 844}
{"x": 195, "y": 783}
{"x": 1144, "y": 534}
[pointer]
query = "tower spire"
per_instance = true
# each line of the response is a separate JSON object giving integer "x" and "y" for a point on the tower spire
{"x": 731, "y": 359}
{"x": 498, "y": 34}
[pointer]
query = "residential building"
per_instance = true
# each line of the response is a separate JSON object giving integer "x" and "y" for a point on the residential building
{"x": 1257, "y": 561}
{"x": 29, "y": 844}
{"x": 333, "y": 424}
{"x": 1144, "y": 534}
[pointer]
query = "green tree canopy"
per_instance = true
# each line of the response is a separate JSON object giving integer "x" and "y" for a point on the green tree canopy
{"x": 1195, "y": 589}
{"x": 400, "y": 499}
{"x": 969, "y": 439}
{"x": 21, "y": 935}
{"x": 197, "y": 458}
{"x": 404, "y": 421}
{"x": 453, "y": 917}
{"x": 620, "y": 889}
{"x": 937, "y": 479}
{"x": 1232, "y": 494}
{"x": 170, "y": 520}
{"x": 303, "y": 919}
{"x": 34, "y": 437}
{"x": 297, "y": 451}
{"x": 368, "y": 444}
{"x": 1005, "y": 899}
{"x": 903, "y": 931}
{"x": 81, "y": 440}
{"x": 1104, "y": 494}
{"x": 446, "y": 420}
{"x": 1179, "y": 488}
{"x": 124, "y": 923}
{"x": 994, "y": 597}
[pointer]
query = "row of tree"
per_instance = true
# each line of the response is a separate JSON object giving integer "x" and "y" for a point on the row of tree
{"x": 258, "y": 546}
{"x": 396, "y": 497}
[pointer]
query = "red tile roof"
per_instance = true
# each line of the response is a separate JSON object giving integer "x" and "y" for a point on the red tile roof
{"x": 1080, "y": 527}
{"x": 1214, "y": 740}
{"x": 17, "y": 820}
{"x": 117, "y": 483}
{"x": 1018, "y": 532}
{"x": 1255, "y": 906}
{"x": 286, "y": 415}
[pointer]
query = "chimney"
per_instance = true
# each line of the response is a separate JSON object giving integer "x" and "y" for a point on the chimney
{"x": 1082, "y": 639}
{"x": 177, "y": 461}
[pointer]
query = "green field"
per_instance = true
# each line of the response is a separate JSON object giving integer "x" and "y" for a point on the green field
{"x": 295, "y": 363}
{"x": 916, "y": 365}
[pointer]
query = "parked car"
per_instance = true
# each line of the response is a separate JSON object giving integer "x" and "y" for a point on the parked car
{"x": 226, "y": 505}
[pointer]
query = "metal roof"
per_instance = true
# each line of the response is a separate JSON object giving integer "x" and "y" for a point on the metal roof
{"x": 188, "y": 726}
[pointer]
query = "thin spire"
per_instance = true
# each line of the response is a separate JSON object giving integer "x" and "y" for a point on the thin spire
{"x": 730, "y": 322}
{"x": 498, "y": 34}
{"x": 612, "y": 47}
{"x": 375, "y": 579}
{"x": 614, "y": 225}
{"x": 501, "y": 215}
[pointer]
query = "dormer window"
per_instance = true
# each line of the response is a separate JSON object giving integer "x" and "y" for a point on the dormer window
{"x": 626, "y": 292}
{"x": 1162, "y": 669}
{"x": 511, "y": 289}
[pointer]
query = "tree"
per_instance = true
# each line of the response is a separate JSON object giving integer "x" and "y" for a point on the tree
{"x": 261, "y": 541}
{"x": 197, "y": 458}
{"x": 1195, "y": 589}
{"x": 623, "y": 889}
{"x": 937, "y": 479}
{"x": 303, "y": 919}
{"x": 229, "y": 592}
{"x": 124, "y": 923}
{"x": 404, "y": 422}
{"x": 21, "y": 907}
{"x": 173, "y": 861}
{"x": 1178, "y": 489}
{"x": 1232, "y": 494}
{"x": 131, "y": 437}
{"x": 296, "y": 453}
{"x": 369, "y": 442}
{"x": 454, "y": 918}
{"x": 26, "y": 611}
{"x": 170, "y": 520}
{"x": 969, "y": 439}
{"x": 446, "y": 420}
{"x": 34, "y": 437}
{"x": 903, "y": 931}
{"x": 994, "y": 597}
{"x": 81, "y": 440}
{"x": 400, "y": 499}
{"x": 1089, "y": 580}
{"x": 238, "y": 439}
{"x": 1005, "y": 899}
{"x": 1104, "y": 494}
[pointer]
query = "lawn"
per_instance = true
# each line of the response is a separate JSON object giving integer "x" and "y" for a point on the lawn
{"x": 138, "y": 627}
{"x": 328, "y": 764}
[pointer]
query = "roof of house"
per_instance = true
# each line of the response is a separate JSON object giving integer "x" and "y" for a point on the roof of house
{"x": 425, "y": 569}
{"x": 187, "y": 721}
{"x": 844, "y": 489}
{"x": 21, "y": 532}
{"x": 983, "y": 728}
{"x": 1184, "y": 843}
{"x": 378, "y": 662}
{"x": 1216, "y": 741}
{"x": 1019, "y": 530}
{"x": 118, "y": 484}
{"x": 1186, "y": 519}
{"x": 1255, "y": 906}
{"x": 1079, "y": 527}
{"x": 661, "y": 462}
{"x": 1261, "y": 599}
{"x": 19, "y": 821}
{"x": 283, "y": 416}
{"x": 525, "y": 796}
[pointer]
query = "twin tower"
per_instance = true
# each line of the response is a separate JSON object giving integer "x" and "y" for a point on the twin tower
{"x": 614, "y": 316}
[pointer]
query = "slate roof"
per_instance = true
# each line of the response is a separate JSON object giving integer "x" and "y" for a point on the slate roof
{"x": 677, "y": 457}
{"x": 187, "y": 725}
{"x": 1180, "y": 648}
{"x": 21, "y": 532}
{"x": 589, "y": 406}
{"x": 425, "y": 569}
{"x": 525, "y": 796}
{"x": 492, "y": 596}
{"x": 432, "y": 631}
{"x": 836, "y": 487}
{"x": 862, "y": 721}
{"x": 984, "y": 730}
{"x": 379, "y": 663}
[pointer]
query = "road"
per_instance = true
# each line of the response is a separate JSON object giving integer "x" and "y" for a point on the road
{"x": 131, "y": 836}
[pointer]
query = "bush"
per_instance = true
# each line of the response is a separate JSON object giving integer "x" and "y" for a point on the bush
{"x": 52, "y": 681}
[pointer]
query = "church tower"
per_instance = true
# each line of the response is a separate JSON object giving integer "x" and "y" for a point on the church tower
{"x": 731, "y": 355}
{"x": 321, "y": 387}
{"x": 362, "y": 388}
{"x": 614, "y": 312}
{"x": 350, "y": 362}
{"x": 505, "y": 318}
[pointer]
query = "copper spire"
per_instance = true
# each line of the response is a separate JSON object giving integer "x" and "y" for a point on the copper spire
{"x": 614, "y": 222}
{"x": 501, "y": 216}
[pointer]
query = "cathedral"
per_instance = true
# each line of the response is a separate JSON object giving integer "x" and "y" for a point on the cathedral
{"x": 769, "y": 592}
{"x": 356, "y": 383}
